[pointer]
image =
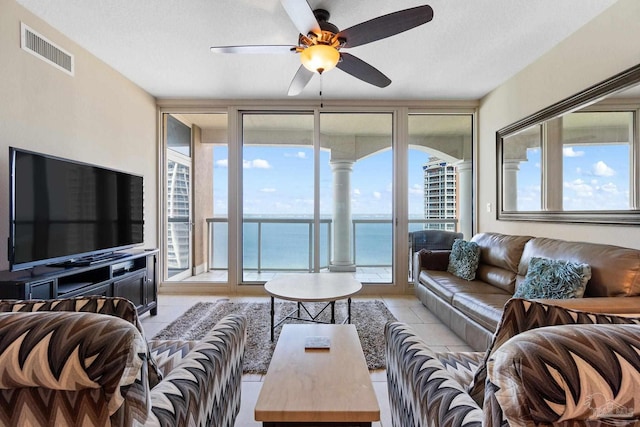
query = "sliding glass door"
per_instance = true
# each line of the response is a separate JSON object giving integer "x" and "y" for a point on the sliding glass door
{"x": 351, "y": 170}
{"x": 277, "y": 194}
{"x": 251, "y": 194}
{"x": 178, "y": 244}
{"x": 439, "y": 172}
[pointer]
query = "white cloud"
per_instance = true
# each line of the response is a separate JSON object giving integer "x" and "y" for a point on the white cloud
{"x": 602, "y": 169}
{"x": 256, "y": 164}
{"x": 610, "y": 188}
{"x": 268, "y": 190}
{"x": 224, "y": 163}
{"x": 298, "y": 155}
{"x": 569, "y": 152}
{"x": 580, "y": 187}
{"x": 356, "y": 191}
{"x": 377, "y": 195}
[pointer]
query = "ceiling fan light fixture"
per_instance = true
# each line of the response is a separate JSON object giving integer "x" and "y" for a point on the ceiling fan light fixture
{"x": 320, "y": 58}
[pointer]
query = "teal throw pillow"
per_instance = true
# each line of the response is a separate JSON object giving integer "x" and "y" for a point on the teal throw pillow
{"x": 464, "y": 259}
{"x": 556, "y": 279}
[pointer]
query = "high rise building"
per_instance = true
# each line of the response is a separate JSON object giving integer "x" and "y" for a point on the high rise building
{"x": 178, "y": 216}
{"x": 440, "y": 193}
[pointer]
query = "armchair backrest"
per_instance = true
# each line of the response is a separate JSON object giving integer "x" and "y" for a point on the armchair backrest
{"x": 70, "y": 368}
{"x": 432, "y": 239}
{"x": 559, "y": 374}
{"x": 113, "y": 306}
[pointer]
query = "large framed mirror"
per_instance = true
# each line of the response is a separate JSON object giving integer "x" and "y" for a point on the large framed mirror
{"x": 577, "y": 160}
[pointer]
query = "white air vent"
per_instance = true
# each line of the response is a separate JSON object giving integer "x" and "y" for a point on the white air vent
{"x": 46, "y": 50}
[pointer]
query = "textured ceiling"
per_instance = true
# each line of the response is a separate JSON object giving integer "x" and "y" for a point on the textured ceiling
{"x": 469, "y": 48}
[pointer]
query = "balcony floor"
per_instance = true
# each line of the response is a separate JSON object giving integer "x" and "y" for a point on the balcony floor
{"x": 363, "y": 274}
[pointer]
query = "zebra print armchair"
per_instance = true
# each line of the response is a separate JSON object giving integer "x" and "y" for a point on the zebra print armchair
{"x": 84, "y": 361}
{"x": 546, "y": 366}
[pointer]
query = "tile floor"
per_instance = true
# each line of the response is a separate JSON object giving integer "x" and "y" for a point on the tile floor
{"x": 405, "y": 308}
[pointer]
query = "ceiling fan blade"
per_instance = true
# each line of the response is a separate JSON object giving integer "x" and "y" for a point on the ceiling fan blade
{"x": 302, "y": 16}
{"x": 386, "y": 26}
{"x": 300, "y": 80}
{"x": 254, "y": 49}
{"x": 361, "y": 70}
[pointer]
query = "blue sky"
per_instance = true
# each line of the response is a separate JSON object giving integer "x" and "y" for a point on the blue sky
{"x": 595, "y": 177}
{"x": 279, "y": 181}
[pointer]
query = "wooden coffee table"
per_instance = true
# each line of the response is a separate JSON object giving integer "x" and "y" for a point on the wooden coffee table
{"x": 312, "y": 287}
{"x": 309, "y": 387}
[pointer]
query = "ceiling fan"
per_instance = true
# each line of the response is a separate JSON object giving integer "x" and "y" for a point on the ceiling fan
{"x": 320, "y": 42}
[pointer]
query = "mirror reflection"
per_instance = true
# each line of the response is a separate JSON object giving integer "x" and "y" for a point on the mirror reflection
{"x": 578, "y": 165}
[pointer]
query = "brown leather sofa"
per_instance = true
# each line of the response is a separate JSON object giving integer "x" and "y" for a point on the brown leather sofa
{"x": 472, "y": 309}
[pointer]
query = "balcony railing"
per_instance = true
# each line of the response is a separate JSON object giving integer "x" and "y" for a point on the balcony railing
{"x": 286, "y": 244}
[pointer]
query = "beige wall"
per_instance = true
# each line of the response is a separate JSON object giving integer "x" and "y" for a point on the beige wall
{"x": 96, "y": 116}
{"x": 600, "y": 49}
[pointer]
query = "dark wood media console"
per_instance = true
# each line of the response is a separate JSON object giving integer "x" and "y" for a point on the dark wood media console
{"x": 132, "y": 276}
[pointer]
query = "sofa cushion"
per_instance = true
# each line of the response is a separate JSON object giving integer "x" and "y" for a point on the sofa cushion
{"x": 615, "y": 271}
{"x": 551, "y": 278}
{"x": 445, "y": 285}
{"x": 501, "y": 250}
{"x": 484, "y": 308}
{"x": 499, "y": 258}
{"x": 463, "y": 260}
{"x": 498, "y": 277}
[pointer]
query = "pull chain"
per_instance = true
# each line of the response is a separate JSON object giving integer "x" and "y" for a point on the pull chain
{"x": 321, "y": 103}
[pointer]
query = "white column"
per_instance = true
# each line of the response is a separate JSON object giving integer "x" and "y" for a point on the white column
{"x": 342, "y": 226}
{"x": 552, "y": 159}
{"x": 465, "y": 197}
{"x": 510, "y": 170}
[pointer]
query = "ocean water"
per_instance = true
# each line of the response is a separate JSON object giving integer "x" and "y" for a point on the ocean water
{"x": 285, "y": 246}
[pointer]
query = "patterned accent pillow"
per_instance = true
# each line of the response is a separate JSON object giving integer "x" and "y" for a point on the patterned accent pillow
{"x": 464, "y": 259}
{"x": 555, "y": 279}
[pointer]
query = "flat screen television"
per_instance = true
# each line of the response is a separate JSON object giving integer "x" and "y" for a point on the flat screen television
{"x": 63, "y": 211}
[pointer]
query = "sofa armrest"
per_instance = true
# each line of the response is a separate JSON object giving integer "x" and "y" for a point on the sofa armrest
{"x": 430, "y": 260}
{"x": 73, "y": 356}
{"x": 567, "y": 373}
{"x": 421, "y": 390}
{"x": 204, "y": 387}
{"x": 608, "y": 305}
{"x": 169, "y": 353}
